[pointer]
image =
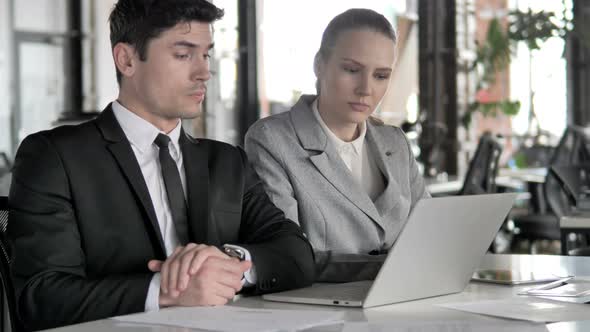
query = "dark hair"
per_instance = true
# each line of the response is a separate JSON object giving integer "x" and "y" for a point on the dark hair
{"x": 136, "y": 22}
{"x": 352, "y": 19}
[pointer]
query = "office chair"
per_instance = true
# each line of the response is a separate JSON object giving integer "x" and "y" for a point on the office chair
{"x": 7, "y": 287}
{"x": 432, "y": 138}
{"x": 543, "y": 221}
{"x": 483, "y": 168}
{"x": 3, "y": 213}
{"x": 575, "y": 181}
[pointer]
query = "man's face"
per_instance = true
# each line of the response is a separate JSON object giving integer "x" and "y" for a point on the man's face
{"x": 170, "y": 83}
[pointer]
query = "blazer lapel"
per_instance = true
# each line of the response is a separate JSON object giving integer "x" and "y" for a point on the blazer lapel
{"x": 327, "y": 161}
{"x": 120, "y": 147}
{"x": 384, "y": 151}
{"x": 195, "y": 156}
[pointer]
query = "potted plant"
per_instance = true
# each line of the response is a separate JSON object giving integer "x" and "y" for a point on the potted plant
{"x": 494, "y": 54}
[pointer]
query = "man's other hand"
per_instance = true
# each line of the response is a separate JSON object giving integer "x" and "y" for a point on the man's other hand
{"x": 199, "y": 275}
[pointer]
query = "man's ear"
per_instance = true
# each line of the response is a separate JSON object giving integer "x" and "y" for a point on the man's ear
{"x": 125, "y": 59}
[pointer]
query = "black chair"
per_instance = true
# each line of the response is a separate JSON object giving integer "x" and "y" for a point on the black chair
{"x": 483, "y": 169}
{"x": 3, "y": 213}
{"x": 542, "y": 223}
{"x": 7, "y": 287}
{"x": 432, "y": 137}
{"x": 575, "y": 181}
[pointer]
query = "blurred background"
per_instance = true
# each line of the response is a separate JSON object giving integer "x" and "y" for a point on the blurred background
{"x": 493, "y": 94}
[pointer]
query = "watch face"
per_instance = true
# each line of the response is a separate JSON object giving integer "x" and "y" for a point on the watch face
{"x": 234, "y": 252}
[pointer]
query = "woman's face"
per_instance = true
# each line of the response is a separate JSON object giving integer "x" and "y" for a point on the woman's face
{"x": 355, "y": 76}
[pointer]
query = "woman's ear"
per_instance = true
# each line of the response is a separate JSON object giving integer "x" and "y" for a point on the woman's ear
{"x": 125, "y": 60}
{"x": 317, "y": 65}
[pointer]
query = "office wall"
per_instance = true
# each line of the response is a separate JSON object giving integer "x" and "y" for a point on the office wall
{"x": 106, "y": 81}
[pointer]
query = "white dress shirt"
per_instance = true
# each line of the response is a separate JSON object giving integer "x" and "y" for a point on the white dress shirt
{"x": 141, "y": 134}
{"x": 357, "y": 156}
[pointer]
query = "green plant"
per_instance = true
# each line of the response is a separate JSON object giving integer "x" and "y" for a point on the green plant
{"x": 494, "y": 54}
{"x": 534, "y": 28}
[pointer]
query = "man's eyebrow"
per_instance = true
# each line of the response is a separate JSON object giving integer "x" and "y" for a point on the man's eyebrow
{"x": 184, "y": 43}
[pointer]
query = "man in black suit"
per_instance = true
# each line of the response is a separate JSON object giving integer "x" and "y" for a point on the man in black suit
{"x": 128, "y": 213}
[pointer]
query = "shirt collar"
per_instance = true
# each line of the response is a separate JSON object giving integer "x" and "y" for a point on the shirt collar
{"x": 139, "y": 131}
{"x": 357, "y": 144}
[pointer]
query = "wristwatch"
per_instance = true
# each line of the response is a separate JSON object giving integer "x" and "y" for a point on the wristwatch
{"x": 234, "y": 251}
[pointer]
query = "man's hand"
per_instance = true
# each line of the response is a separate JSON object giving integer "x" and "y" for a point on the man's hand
{"x": 215, "y": 283}
{"x": 208, "y": 265}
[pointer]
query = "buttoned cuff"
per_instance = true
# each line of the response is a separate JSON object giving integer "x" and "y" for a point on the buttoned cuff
{"x": 152, "y": 301}
{"x": 250, "y": 277}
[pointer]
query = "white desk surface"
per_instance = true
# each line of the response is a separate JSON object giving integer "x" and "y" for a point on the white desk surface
{"x": 421, "y": 311}
{"x": 454, "y": 186}
{"x": 536, "y": 175}
{"x": 575, "y": 221}
{"x": 444, "y": 187}
{"x": 509, "y": 178}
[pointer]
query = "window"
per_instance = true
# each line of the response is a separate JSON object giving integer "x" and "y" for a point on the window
{"x": 541, "y": 73}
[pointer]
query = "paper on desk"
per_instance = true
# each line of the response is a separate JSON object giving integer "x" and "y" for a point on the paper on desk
{"x": 581, "y": 300}
{"x": 566, "y": 288}
{"x": 448, "y": 326}
{"x": 236, "y": 318}
{"x": 525, "y": 308}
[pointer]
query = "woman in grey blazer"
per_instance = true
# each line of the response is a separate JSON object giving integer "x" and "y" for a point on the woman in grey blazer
{"x": 346, "y": 178}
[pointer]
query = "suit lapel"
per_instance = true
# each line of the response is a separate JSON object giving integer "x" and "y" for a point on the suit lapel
{"x": 195, "y": 156}
{"x": 383, "y": 152}
{"x": 121, "y": 150}
{"x": 333, "y": 169}
{"x": 327, "y": 161}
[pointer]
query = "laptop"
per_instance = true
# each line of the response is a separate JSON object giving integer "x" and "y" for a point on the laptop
{"x": 436, "y": 253}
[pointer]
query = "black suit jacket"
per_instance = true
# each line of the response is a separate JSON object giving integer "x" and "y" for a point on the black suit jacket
{"x": 83, "y": 226}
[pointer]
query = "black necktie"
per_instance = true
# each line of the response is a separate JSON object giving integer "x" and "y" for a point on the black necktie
{"x": 173, "y": 189}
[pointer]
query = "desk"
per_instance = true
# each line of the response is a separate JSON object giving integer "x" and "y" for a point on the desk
{"x": 421, "y": 311}
{"x": 577, "y": 223}
{"x": 516, "y": 179}
{"x": 454, "y": 185}
{"x": 450, "y": 186}
{"x": 536, "y": 175}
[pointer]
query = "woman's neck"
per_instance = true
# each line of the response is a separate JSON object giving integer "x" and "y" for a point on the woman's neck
{"x": 346, "y": 131}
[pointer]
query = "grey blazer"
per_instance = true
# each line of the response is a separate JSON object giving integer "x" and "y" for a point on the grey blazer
{"x": 305, "y": 177}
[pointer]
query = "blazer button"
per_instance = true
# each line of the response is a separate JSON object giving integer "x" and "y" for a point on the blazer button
{"x": 273, "y": 281}
{"x": 388, "y": 153}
